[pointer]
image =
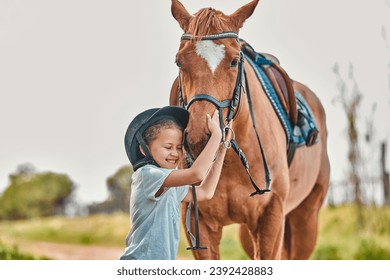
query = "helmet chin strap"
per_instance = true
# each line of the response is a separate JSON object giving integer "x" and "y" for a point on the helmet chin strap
{"x": 148, "y": 159}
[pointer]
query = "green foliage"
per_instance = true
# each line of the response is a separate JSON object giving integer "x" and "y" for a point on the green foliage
{"x": 369, "y": 250}
{"x": 327, "y": 252}
{"x": 31, "y": 195}
{"x": 230, "y": 248}
{"x": 377, "y": 219}
{"x": 338, "y": 237}
{"x": 13, "y": 253}
{"x": 110, "y": 230}
{"x": 118, "y": 186}
{"x": 121, "y": 179}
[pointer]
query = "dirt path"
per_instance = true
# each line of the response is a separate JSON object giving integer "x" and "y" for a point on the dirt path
{"x": 56, "y": 251}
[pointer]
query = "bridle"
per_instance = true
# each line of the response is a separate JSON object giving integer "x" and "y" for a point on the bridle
{"x": 232, "y": 105}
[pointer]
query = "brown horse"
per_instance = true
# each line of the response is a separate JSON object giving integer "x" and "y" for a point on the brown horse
{"x": 282, "y": 223}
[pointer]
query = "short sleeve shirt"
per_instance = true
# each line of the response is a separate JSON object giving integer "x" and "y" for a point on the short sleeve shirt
{"x": 155, "y": 227}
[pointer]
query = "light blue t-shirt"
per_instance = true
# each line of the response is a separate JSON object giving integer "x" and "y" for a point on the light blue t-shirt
{"x": 155, "y": 227}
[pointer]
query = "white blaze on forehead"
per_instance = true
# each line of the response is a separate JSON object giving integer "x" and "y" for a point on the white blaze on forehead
{"x": 211, "y": 52}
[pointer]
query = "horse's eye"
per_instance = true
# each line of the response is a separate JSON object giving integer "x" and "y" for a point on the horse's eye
{"x": 178, "y": 61}
{"x": 234, "y": 63}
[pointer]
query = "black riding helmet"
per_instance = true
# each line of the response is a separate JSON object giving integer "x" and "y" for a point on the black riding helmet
{"x": 133, "y": 136}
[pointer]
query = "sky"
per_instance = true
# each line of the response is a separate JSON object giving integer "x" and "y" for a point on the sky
{"x": 74, "y": 73}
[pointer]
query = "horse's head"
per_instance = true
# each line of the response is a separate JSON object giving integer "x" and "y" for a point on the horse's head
{"x": 210, "y": 66}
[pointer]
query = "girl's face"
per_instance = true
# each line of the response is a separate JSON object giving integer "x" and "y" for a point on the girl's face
{"x": 167, "y": 148}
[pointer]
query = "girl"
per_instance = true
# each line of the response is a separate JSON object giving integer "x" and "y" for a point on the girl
{"x": 154, "y": 145}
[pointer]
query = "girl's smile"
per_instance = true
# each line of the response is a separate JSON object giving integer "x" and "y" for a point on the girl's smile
{"x": 167, "y": 148}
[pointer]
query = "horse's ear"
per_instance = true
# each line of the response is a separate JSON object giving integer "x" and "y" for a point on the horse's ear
{"x": 180, "y": 14}
{"x": 243, "y": 13}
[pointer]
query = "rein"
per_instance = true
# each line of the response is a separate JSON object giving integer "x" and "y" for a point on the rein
{"x": 232, "y": 105}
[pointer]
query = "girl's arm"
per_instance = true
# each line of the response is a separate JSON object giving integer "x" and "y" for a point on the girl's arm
{"x": 201, "y": 166}
{"x": 206, "y": 189}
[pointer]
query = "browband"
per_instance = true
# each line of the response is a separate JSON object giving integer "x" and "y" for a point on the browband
{"x": 222, "y": 35}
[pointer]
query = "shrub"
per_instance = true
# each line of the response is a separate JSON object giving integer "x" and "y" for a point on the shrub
{"x": 370, "y": 250}
{"x": 13, "y": 253}
{"x": 328, "y": 252}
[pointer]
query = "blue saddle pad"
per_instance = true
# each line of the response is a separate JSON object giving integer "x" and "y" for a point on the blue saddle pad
{"x": 306, "y": 123}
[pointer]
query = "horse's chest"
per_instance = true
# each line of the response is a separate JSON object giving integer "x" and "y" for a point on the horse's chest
{"x": 231, "y": 205}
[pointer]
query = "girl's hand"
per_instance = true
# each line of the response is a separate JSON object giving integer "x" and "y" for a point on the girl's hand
{"x": 213, "y": 123}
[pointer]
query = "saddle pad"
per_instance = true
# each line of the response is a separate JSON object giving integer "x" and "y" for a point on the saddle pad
{"x": 298, "y": 135}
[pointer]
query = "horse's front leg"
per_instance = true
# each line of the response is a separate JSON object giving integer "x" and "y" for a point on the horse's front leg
{"x": 268, "y": 233}
{"x": 210, "y": 233}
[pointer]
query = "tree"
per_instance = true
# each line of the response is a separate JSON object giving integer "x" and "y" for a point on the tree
{"x": 350, "y": 101}
{"x": 385, "y": 173}
{"x": 32, "y": 194}
{"x": 118, "y": 186}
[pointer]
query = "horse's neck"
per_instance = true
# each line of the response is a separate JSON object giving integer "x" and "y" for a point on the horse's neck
{"x": 242, "y": 124}
{"x": 262, "y": 111}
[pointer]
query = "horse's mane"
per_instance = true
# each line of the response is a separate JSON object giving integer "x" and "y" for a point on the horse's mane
{"x": 208, "y": 21}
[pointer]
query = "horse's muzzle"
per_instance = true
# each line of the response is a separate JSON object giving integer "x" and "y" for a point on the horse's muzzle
{"x": 194, "y": 146}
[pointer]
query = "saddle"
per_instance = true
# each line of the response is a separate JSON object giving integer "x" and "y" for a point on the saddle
{"x": 297, "y": 118}
{"x": 279, "y": 78}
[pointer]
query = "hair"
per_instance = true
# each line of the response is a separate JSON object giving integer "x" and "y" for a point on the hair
{"x": 152, "y": 132}
{"x": 208, "y": 20}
